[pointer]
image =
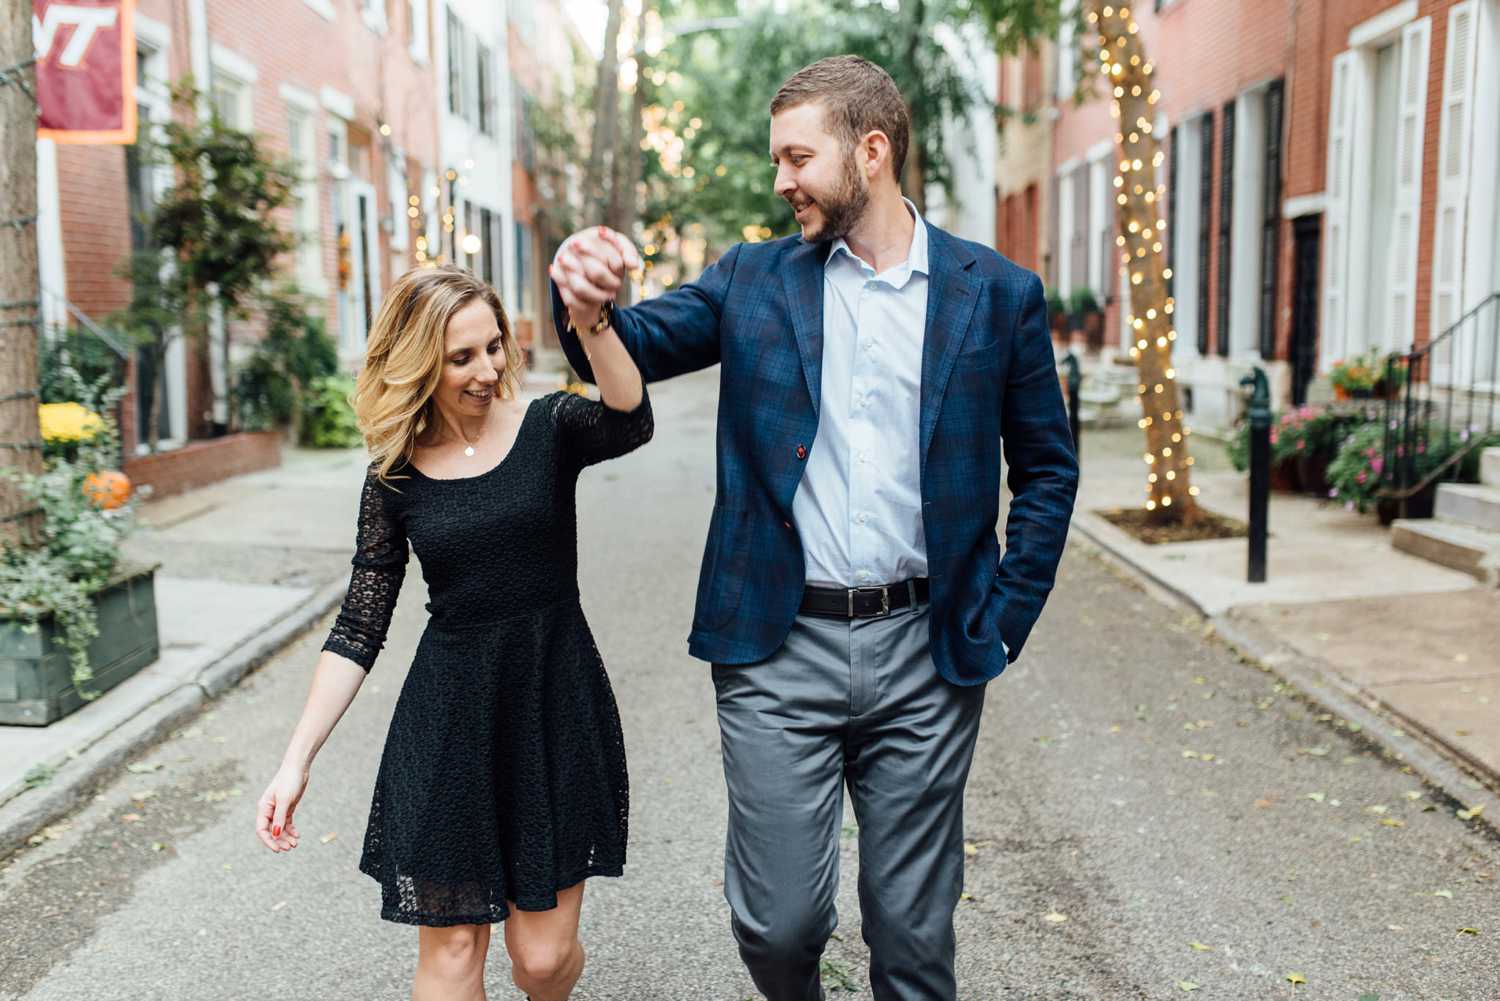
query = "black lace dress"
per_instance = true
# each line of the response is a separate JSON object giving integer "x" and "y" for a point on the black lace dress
{"x": 503, "y": 775}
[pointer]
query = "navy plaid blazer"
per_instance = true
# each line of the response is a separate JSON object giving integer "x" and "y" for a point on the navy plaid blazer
{"x": 989, "y": 382}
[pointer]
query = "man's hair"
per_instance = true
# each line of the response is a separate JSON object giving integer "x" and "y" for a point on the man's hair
{"x": 857, "y": 97}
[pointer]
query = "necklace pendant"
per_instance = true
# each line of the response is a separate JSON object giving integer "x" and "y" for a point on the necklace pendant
{"x": 469, "y": 450}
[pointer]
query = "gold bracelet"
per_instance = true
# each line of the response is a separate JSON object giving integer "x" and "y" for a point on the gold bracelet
{"x": 606, "y": 318}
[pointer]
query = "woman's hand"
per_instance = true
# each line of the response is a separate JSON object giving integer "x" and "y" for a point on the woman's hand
{"x": 589, "y": 269}
{"x": 273, "y": 811}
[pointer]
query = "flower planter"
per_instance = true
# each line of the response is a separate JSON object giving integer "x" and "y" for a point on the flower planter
{"x": 1419, "y": 505}
{"x": 36, "y": 676}
{"x": 1312, "y": 473}
{"x": 1284, "y": 477}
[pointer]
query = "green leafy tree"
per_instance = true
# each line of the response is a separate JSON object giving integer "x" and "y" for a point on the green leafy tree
{"x": 215, "y": 228}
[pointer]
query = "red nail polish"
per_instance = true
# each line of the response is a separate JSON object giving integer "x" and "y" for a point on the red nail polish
{"x": 276, "y": 832}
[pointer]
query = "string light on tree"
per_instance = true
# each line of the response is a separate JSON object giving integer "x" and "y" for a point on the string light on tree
{"x": 1141, "y": 244}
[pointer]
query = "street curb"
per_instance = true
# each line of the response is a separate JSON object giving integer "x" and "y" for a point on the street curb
{"x": 1463, "y": 780}
{"x": 77, "y": 780}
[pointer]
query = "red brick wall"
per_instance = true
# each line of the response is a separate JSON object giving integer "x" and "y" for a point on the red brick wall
{"x": 200, "y": 463}
{"x": 1206, "y": 53}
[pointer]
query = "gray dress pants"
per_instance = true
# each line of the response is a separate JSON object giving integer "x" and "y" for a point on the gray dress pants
{"x": 859, "y": 703}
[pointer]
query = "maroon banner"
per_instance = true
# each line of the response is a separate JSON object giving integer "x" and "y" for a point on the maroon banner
{"x": 85, "y": 70}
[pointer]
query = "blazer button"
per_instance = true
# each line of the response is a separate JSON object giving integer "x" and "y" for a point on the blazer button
{"x": 786, "y": 524}
{"x": 801, "y": 451}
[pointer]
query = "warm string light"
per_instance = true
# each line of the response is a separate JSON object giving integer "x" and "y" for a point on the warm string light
{"x": 1141, "y": 249}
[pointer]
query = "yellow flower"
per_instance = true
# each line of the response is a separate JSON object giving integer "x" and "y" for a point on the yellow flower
{"x": 66, "y": 422}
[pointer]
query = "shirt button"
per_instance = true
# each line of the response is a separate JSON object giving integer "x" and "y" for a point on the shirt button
{"x": 786, "y": 524}
{"x": 861, "y": 517}
{"x": 801, "y": 451}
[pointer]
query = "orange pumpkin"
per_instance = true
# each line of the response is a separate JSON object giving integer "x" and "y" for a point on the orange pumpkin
{"x": 108, "y": 489}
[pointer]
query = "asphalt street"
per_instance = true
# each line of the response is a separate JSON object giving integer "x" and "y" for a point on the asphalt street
{"x": 1147, "y": 817}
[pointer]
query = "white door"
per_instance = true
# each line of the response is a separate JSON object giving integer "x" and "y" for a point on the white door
{"x": 361, "y": 299}
{"x": 1400, "y": 313}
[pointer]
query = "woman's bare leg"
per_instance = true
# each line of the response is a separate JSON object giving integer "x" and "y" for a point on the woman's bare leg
{"x": 450, "y": 963}
{"x": 546, "y": 957}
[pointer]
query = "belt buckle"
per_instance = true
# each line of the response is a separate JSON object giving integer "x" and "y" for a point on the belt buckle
{"x": 885, "y": 602}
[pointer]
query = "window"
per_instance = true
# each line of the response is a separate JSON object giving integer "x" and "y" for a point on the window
{"x": 455, "y": 50}
{"x": 231, "y": 102}
{"x": 1270, "y": 221}
{"x": 1067, "y": 69}
{"x": 302, "y": 148}
{"x": 373, "y": 12}
{"x": 1205, "y": 221}
{"x": 396, "y": 193}
{"x": 523, "y": 266}
{"x": 1226, "y": 208}
{"x": 471, "y": 227}
{"x": 416, "y": 29}
{"x": 487, "y": 246}
{"x": 484, "y": 85}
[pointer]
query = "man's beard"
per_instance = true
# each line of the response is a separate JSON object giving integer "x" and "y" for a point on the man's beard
{"x": 843, "y": 208}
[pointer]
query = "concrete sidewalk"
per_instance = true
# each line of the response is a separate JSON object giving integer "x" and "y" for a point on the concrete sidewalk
{"x": 1404, "y": 645}
{"x": 246, "y": 566}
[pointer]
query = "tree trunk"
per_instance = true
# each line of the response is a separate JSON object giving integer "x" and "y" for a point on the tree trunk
{"x": 1140, "y": 208}
{"x": 914, "y": 175}
{"x": 606, "y": 118}
{"x": 20, "y": 287}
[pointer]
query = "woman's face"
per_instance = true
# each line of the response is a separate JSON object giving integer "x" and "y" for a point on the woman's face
{"x": 473, "y": 358}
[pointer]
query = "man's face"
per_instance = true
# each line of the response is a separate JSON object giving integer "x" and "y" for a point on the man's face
{"x": 819, "y": 178}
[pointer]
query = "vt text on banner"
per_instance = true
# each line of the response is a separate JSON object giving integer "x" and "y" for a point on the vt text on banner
{"x": 85, "y": 70}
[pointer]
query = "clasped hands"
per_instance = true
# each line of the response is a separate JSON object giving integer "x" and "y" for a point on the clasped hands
{"x": 589, "y": 269}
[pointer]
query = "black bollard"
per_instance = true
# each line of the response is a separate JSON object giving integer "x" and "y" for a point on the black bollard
{"x": 1075, "y": 384}
{"x": 1260, "y": 469}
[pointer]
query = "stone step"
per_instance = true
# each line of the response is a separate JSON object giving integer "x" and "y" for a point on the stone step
{"x": 1465, "y": 548}
{"x": 1489, "y": 467}
{"x": 1469, "y": 504}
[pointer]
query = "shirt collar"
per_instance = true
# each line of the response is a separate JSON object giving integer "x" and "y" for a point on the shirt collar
{"x": 916, "y": 256}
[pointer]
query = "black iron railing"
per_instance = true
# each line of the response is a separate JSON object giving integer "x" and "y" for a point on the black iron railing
{"x": 1440, "y": 404}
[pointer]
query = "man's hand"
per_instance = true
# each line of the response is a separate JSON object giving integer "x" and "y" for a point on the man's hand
{"x": 589, "y": 268}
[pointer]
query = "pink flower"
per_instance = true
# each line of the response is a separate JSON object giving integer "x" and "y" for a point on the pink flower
{"x": 1301, "y": 445}
{"x": 1273, "y": 436}
{"x": 1376, "y": 465}
{"x": 1361, "y": 477}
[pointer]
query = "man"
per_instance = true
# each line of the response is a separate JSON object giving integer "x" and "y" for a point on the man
{"x": 853, "y": 600}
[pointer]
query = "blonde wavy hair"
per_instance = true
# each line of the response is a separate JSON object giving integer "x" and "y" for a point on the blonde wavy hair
{"x": 404, "y": 359}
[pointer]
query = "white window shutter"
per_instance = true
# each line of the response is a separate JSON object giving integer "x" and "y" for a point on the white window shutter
{"x": 1336, "y": 208}
{"x": 1410, "y": 114}
{"x": 1453, "y": 167}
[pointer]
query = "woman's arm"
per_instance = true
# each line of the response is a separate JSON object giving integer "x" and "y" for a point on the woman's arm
{"x": 615, "y": 372}
{"x": 335, "y": 682}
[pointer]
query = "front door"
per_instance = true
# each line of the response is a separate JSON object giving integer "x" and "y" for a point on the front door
{"x": 1306, "y": 237}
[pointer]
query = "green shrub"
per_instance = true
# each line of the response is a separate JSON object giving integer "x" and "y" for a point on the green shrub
{"x": 295, "y": 351}
{"x": 1354, "y": 473}
{"x": 328, "y": 415}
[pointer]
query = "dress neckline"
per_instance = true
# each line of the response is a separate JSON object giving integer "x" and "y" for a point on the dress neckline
{"x": 515, "y": 442}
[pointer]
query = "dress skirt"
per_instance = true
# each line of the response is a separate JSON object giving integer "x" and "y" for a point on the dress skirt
{"x": 503, "y": 775}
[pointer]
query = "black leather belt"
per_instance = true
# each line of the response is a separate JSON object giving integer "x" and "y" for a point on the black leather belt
{"x": 862, "y": 602}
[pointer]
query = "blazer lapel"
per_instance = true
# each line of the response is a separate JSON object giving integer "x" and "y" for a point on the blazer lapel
{"x": 951, "y": 297}
{"x": 803, "y": 280}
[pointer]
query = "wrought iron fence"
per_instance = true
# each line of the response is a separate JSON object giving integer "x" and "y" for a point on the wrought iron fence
{"x": 1441, "y": 404}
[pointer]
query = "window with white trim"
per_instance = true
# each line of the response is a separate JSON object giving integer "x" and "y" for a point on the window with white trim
{"x": 416, "y": 30}
{"x": 302, "y": 145}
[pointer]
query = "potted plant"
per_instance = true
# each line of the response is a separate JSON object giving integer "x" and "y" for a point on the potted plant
{"x": 1057, "y": 318}
{"x": 1353, "y": 379}
{"x": 1390, "y": 376}
{"x": 74, "y": 620}
{"x": 1283, "y": 468}
{"x": 1086, "y": 317}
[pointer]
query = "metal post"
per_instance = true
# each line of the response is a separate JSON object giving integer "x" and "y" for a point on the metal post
{"x": 1260, "y": 469}
{"x": 1075, "y": 382}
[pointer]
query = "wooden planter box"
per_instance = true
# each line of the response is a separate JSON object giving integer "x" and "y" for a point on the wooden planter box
{"x": 36, "y": 677}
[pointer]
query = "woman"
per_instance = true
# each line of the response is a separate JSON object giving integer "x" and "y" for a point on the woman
{"x": 502, "y": 786}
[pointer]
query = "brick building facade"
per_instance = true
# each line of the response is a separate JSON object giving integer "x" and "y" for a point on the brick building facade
{"x": 1315, "y": 153}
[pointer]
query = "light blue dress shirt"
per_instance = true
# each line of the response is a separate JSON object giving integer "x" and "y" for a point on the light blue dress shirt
{"x": 859, "y": 505}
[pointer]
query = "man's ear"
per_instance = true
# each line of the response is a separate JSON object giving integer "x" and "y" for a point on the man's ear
{"x": 875, "y": 153}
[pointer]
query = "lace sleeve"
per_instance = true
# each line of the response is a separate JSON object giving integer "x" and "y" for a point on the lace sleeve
{"x": 379, "y": 566}
{"x": 595, "y": 432}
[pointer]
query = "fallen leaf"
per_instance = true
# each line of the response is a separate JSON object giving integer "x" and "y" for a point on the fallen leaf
{"x": 1392, "y": 822}
{"x": 1378, "y": 808}
{"x": 965, "y": 895}
{"x": 1187, "y": 985}
{"x": 1468, "y": 931}
{"x": 157, "y": 846}
{"x": 1316, "y": 752}
{"x": 1264, "y": 803}
{"x": 1055, "y": 918}
{"x": 328, "y": 837}
{"x": 1413, "y": 795}
{"x": 1296, "y": 978}
{"x": 1316, "y": 797}
{"x": 1200, "y": 947}
{"x": 1471, "y": 812}
{"x": 1445, "y": 894}
{"x": 143, "y": 769}
{"x": 278, "y": 905}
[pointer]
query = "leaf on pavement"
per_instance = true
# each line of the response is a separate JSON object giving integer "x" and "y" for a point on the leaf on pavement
{"x": 328, "y": 837}
{"x": 141, "y": 768}
{"x": 1316, "y": 752}
{"x": 278, "y": 905}
{"x": 1446, "y": 894}
{"x": 1378, "y": 808}
{"x": 1392, "y": 822}
{"x": 1055, "y": 918}
{"x": 1316, "y": 797}
{"x": 1200, "y": 947}
{"x": 1295, "y": 978}
{"x": 1468, "y": 931}
{"x": 1471, "y": 812}
{"x": 1186, "y": 985}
